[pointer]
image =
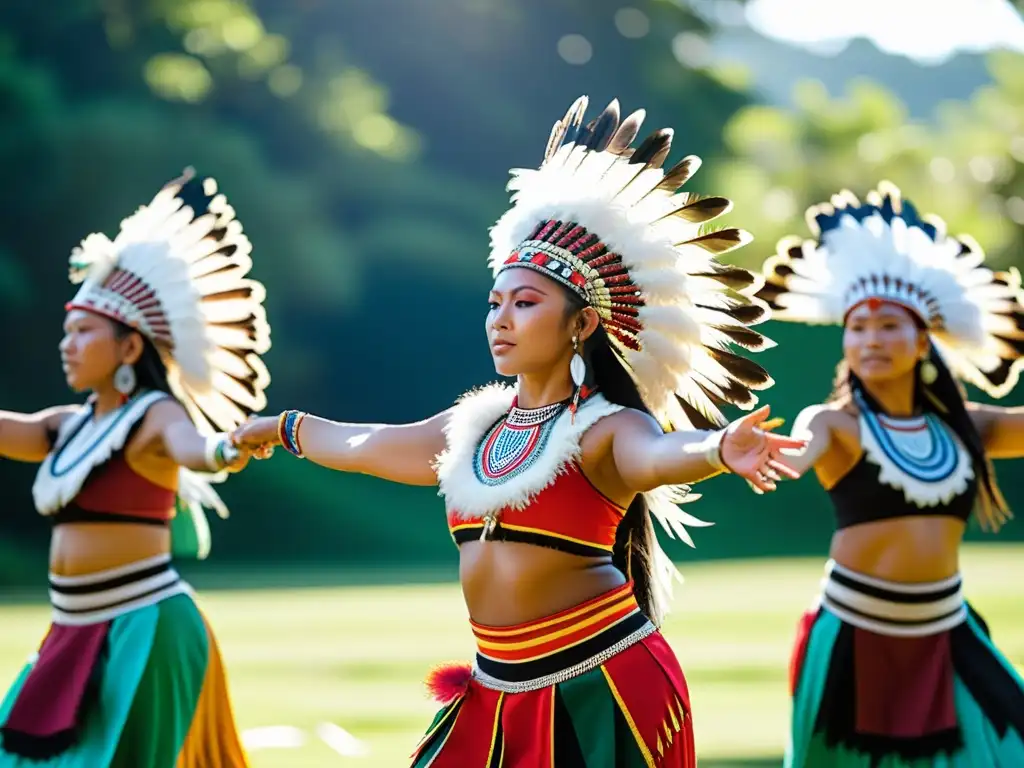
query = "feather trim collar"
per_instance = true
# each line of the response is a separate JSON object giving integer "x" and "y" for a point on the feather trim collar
{"x": 82, "y": 445}
{"x": 473, "y": 416}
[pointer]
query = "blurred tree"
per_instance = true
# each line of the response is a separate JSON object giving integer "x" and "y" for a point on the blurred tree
{"x": 965, "y": 165}
{"x": 365, "y": 147}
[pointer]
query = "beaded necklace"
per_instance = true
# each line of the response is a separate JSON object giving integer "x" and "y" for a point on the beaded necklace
{"x": 512, "y": 446}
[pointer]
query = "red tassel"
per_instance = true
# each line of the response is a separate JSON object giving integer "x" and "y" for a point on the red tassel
{"x": 448, "y": 682}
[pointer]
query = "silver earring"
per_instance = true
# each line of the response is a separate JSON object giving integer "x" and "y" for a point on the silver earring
{"x": 124, "y": 379}
{"x": 577, "y": 366}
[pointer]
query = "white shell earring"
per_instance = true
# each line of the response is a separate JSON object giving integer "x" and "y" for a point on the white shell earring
{"x": 124, "y": 379}
{"x": 577, "y": 366}
{"x": 929, "y": 373}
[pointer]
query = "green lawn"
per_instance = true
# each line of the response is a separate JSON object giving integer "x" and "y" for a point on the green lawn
{"x": 355, "y": 656}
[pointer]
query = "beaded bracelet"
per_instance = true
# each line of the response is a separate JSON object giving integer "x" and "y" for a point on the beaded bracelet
{"x": 219, "y": 452}
{"x": 288, "y": 431}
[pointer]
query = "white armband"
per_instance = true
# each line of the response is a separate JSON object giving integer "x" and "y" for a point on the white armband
{"x": 710, "y": 449}
{"x": 219, "y": 452}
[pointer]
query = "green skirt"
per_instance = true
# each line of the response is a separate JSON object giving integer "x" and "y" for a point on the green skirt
{"x": 871, "y": 690}
{"x": 154, "y": 695}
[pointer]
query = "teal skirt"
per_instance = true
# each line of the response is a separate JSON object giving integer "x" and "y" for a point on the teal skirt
{"x": 152, "y": 695}
{"x": 866, "y": 700}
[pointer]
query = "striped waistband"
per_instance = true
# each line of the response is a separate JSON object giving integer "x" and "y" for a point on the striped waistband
{"x": 105, "y": 595}
{"x": 890, "y": 607}
{"x": 556, "y": 648}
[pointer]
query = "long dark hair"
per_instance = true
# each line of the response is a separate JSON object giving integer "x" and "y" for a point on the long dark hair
{"x": 946, "y": 398}
{"x": 635, "y": 540}
{"x": 150, "y": 371}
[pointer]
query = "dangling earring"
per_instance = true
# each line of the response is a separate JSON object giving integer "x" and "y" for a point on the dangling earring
{"x": 124, "y": 380}
{"x": 578, "y": 372}
{"x": 929, "y": 373}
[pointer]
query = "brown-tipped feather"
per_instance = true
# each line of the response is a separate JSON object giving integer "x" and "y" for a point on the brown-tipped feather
{"x": 747, "y": 314}
{"x": 702, "y": 209}
{"x": 603, "y": 129}
{"x": 680, "y": 173}
{"x": 654, "y": 149}
{"x": 769, "y": 294}
{"x": 572, "y": 120}
{"x": 742, "y": 369}
{"x": 744, "y": 337}
{"x": 733, "y": 393}
{"x": 627, "y": 132}
{"x": 698, "y": 419}
{"x": 735, "y": 278}
{"x": 721, "y": 241}
{"x": 650, "y": 154}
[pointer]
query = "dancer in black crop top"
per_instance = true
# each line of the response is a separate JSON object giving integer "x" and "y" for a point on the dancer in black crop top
{"x": 893, "y": 666}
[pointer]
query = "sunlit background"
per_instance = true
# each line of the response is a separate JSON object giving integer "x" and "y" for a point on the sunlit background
{"x": 365, "y": 146}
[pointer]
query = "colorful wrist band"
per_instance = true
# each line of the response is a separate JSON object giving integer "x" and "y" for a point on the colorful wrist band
{"x": 288, "y": 431}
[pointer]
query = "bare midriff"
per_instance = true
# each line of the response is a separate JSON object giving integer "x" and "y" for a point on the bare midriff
{"x": 506, "y": 583}
{"x": 905, "y": 549}
{"x": 81, "y": 548}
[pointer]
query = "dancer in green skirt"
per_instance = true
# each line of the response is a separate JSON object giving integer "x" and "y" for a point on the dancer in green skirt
{"x": 165, "y": 333}
{"x": 893, "y": 667}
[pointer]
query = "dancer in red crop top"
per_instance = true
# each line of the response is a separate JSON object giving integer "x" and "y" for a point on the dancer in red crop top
{"x": 612, "y": 313}
{"x": 165, "y": 333}
{"x": 893, "y": 667}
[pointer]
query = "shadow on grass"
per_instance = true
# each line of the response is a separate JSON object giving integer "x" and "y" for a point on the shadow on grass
{"x": 740, "y": 762}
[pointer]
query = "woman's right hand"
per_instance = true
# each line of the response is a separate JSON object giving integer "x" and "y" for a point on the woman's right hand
{"x": 258, "y": 435}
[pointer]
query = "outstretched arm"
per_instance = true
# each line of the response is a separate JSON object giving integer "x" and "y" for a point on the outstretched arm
{"x": 646, "y": 458}
{"x": 402, "y": 453}
{"x": 813, "y": 426}
{"x": 26, "y": 436}
{"x": 168, "y": 428}
{"x": 1002, "y": 429}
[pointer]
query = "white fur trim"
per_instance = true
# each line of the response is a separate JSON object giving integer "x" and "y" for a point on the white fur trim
{"x": 475, "y": 413}
{"x": 76, "y": 453}
{"x": 478, "y": 410}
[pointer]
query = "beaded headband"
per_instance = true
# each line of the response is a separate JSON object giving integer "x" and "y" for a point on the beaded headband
{"x": 607, "y": 221}
{"x": 884, "y": 250}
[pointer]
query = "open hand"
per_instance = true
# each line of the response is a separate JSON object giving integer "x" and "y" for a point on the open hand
{"x": 753, "y": 453}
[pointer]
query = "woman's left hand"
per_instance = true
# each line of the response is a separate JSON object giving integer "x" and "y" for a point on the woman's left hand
{"x": 754, "y": 453}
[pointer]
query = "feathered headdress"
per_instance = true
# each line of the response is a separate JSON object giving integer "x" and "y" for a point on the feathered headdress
{"x": 883, "y": 249}
{"x": 177, "y": 273}
{"x": 609, "y": 222}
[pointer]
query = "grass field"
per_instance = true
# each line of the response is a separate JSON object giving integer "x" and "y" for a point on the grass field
{"x": 355, "y": 656}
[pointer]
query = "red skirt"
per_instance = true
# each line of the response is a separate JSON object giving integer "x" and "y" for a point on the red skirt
{"x": 594, "y": 685}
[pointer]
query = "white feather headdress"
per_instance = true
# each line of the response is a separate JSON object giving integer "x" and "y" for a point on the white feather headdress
{"x": 884, "y": 250}
{"x": 607, "y": 221}
{"x": 177, "y": 273}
